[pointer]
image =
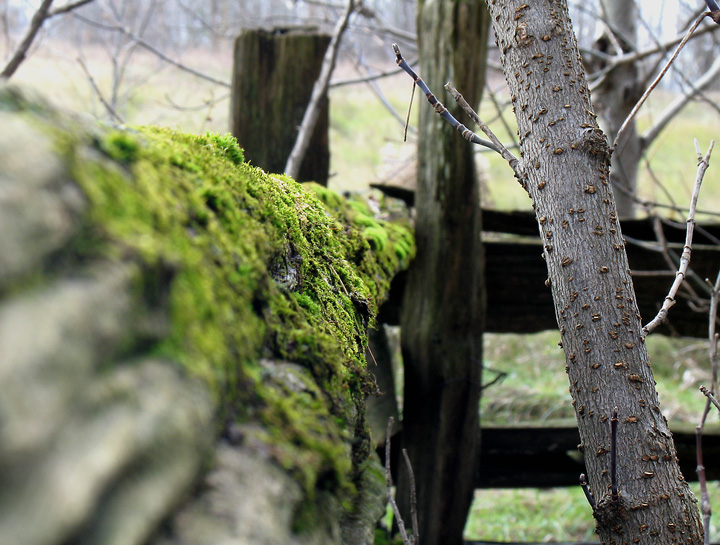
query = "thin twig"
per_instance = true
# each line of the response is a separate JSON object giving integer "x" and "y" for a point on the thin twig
{"x": 407, "y": 119}
{"x": 413, "y": 499}
{"x": 655, "y": 82}
{"x": 152, "y": 49}
{"x": 703, "y": 164}
{"x": 598, "y": 77}
{"x": 319, "y": 92}
{"x": 613, "y": 455}
{"x": 712, "y": 334}
{"x": 679, "y": 103}
{"x": 441, "y": 110}
{"x": 389, "y": 483}
{"x": 363, "y": 79}
{"x": 99, "y": 93}
{"x": 67, "y": 8}
{"x": 586, "y": 490}
{"x": 360, "y": 66}
{"x": 710, "y": 396}
{"x": 705, "y": 508}
{"x": 504, "y": 152}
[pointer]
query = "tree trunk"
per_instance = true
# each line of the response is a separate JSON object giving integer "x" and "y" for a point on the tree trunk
{"x": 565, "y": 164}
{"x": 273, "y": 77}
{"x": 444, "y": 307}
{"x": 615, "y": 98}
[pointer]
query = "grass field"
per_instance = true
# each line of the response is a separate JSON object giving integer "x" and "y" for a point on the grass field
{"x": 366, "y": 145}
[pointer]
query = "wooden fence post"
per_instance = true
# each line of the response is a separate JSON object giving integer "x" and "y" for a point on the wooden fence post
{"x": 273, "y": 76}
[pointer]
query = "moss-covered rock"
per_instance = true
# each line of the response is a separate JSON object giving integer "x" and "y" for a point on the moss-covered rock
{"x": 255, "y": 287}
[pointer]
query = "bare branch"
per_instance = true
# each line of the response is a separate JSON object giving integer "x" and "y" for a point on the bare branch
{"x": 99, "y": 93}
{"x": 703, "y": 164}
{"x": 364, "y": 79}
{"x": 504, "y": 152}
{"x": 713, "y": 336}
{"x": 152, "y": 49}
{"x": 655, "y": 82}
{"x": 441, "y": 110}
{"x": 597, "y": 78}
{"x": 36, "y": 24}
{"x": 68, "y": 8}
{"x": 679, "y": 103}
{"x": 312, "y": 113}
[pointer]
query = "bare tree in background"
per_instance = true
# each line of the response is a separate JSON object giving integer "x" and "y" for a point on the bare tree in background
{"x": 43, "y": 13}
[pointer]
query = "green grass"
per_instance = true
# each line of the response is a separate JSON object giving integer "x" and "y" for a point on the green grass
{"x": 532, "y": 383}
{"x": 545, "y": 515}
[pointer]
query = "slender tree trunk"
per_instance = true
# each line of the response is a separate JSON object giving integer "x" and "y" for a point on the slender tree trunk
{"x": 565, "y": 162}
{"x": 615, "y": 98}
{"x": 443, "y": 312}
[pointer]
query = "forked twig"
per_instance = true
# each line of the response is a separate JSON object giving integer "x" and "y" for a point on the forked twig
{"x": 441, "y": 110}
{"x": 703, "y": 164}
{"x": 501, "y": 149}
{"x": 660, "y": 76}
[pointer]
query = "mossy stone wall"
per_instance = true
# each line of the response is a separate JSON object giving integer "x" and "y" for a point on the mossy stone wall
{"x": 183, "y": 338}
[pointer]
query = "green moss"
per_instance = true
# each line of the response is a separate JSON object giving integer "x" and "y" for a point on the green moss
{"x": 121, "y": 146}
{"x": 261, "y": 268}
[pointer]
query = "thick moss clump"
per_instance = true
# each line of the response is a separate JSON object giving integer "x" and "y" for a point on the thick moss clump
{"x": 255, "y": 270}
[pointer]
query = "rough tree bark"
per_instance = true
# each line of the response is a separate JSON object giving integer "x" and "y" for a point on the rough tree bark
{"x": 443, "y": 312}
{"x": 565, "y": 168}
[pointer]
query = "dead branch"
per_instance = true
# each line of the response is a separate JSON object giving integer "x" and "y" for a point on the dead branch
{"x": 598, "y": 77}
{"x": 713, "y": 336}
{"x": 504, "y": 152}
{"x": 705, "y": 507}
{"x": 703, "y": 164}
{"x": 440, "y": 109}
{"x": 371, "y": 82}
{"x": 679, "y": 103}
{"x": 312, "y": 113}
{"x": 67, "y": 8}
{"x": 42, "y": 14}
{"x": 152, "y": 49}
{"x": 99, "y": 93}
{"x": 38, "y": 18}
{"x": 659, "y": 77}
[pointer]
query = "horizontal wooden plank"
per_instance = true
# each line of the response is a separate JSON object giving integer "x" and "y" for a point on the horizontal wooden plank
{"x": 534, "y": 456}
{"x": 519, "y": 302}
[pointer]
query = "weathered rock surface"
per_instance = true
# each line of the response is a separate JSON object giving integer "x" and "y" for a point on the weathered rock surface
{"x": 182, "y": 341}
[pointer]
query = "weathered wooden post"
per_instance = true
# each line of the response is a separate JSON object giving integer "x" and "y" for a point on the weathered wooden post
{"x": 273, "y": 76}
